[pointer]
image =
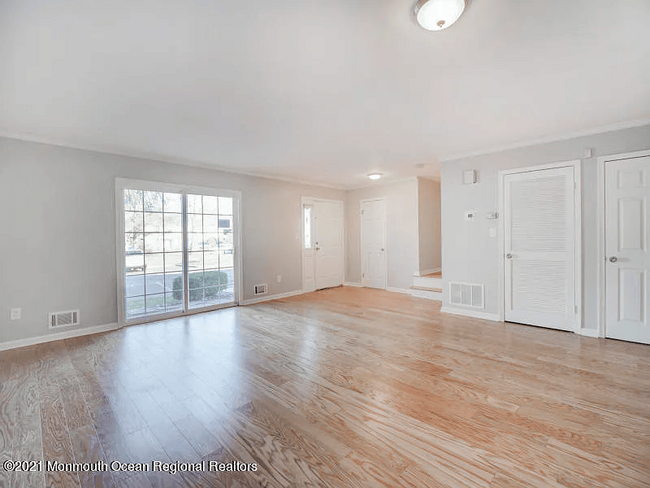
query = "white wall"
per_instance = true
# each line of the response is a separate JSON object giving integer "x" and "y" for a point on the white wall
{"x": 402, "y": 245}
{"x": 430, "y": 256}
{"x": 470, "y": 255}
{"x": 57, "y": 247}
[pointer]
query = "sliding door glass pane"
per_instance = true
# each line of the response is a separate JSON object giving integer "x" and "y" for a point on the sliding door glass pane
{"x": 153, "y": 255}
{"x": 210, "y": 250}
{"x": 165, "y": 236}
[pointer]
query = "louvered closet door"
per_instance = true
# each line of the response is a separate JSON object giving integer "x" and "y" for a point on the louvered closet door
{"x": 539, "y": 247}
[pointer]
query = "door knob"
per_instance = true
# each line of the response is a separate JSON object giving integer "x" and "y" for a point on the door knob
{"x": 613, "y": 259}
{"x": 318, "y": 248}
{"x": 509, "y": 256}
{"x": 382, "y": 248}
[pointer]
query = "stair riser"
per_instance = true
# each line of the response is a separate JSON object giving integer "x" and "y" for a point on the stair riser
{"x": 427, "y": 282}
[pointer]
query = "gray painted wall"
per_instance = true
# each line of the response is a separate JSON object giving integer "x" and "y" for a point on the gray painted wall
{"x": 58, "y": 230}
{"x": 470, "y": 255}
{"x": 401, "y": 220}
{"x": 429, "y": 224}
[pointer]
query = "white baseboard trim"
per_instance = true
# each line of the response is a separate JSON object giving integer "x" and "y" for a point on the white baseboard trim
{"x": 253, "y": 301}
{"x": 427, "y": 271}
{"x": 589, "y": 332}
{"x": 349, "y": 283}
{"x": 31, "y": 341}
{"x": 471, "y": 313}
{"x": 398, "y": 290}
{"x": 429, "y": 295}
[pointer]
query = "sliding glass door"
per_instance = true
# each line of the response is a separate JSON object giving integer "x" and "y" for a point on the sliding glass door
{"x": 211, "y": 264}
{"x": 178, "y": 250}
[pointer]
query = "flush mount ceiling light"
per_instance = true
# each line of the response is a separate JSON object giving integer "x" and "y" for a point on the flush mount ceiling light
{"x": 375, "y": 176}
{"x": 436, "y": 15}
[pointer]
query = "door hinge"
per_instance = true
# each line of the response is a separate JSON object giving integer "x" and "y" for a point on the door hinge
{"x": 363, "y": 275}
{"x": 575, "y": 309}
{"x": 362, "y": 212}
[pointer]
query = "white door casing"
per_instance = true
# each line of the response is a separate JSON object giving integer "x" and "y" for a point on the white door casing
{"x": 373, "y": 243}
{"x": 540, "y": 244}
{"x": 627, "y": 266}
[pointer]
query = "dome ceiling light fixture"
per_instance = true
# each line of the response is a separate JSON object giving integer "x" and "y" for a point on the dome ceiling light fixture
{"x": 435, "y": 15}
{"x": 375, "y": 176}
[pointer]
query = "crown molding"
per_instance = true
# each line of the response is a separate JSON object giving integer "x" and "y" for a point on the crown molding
{"x": 99, "y": 148}
{"x": 547, "y": 139}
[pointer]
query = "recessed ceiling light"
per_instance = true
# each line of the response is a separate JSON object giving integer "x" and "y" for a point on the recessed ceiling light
{"x": 436, "y": 15}
{"x": 375, "y": 176}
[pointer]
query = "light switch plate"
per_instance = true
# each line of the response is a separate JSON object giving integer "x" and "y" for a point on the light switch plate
{"x": 15, "y": 314}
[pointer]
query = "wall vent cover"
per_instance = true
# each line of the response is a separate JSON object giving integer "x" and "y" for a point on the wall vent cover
{"x": 64, "y": 319}
{"x": 466, "y": 294}
{"x": 260, "y": 289}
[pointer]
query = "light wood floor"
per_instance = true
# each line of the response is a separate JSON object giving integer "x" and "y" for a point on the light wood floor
{"x": 344, "y": 387}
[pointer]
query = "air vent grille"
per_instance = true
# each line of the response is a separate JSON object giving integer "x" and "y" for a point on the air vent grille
{"x": 466, "y": 294}
{"x": 64, "y": 319}
{"x": 261, "y": 289}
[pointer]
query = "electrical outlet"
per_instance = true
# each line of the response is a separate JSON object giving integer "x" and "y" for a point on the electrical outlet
{"x": 278, "y": 278}
{"x": 15, "y": 314}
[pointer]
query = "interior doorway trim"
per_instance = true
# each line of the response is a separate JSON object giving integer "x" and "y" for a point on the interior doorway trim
{"x": 309, "y": 201}
{"x": 601, "y": 163}
{"x": 577, "y": 167}
{"x": 361, "y": 202}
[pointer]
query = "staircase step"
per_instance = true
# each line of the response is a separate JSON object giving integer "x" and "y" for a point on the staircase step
{"x": 424, "y": 288}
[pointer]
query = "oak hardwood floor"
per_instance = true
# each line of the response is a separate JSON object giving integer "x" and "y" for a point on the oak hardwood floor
{"x": 342, "y": 387}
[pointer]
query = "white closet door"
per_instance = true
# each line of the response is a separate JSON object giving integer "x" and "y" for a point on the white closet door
{"x": 627, "y": 193}
{"x": 328, "y": 230}
{"x": 373, "y": 243}
{"x": 539, "y": 246}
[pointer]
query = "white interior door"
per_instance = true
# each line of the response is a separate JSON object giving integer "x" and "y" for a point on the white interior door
{"x": 539, "y": 217}
{"x": 373, "y": 243}
{"x": 328, "y": 243}
{"x": 627, "y": 224}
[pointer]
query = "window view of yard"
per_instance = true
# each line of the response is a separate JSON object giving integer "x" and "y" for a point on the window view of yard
{"x": 153, "y": 254}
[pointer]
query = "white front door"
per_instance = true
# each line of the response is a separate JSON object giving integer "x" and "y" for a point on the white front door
{"x": 328, "y": 243}
{"x": 627, "y": 227}
{"x": 308, "y": 251}
{"x": 373, "y": 243}
{"x": 539, "y": 217}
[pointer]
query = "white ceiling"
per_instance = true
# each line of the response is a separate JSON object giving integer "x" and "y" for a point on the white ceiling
{"x": 322, "y": 91}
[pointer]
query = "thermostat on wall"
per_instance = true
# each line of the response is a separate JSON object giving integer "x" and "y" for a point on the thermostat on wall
{"x": 469, "y": 177}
